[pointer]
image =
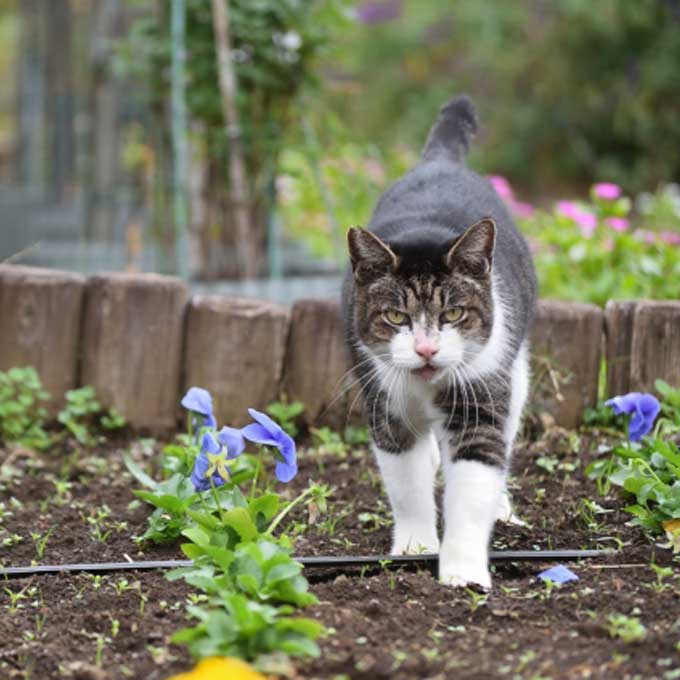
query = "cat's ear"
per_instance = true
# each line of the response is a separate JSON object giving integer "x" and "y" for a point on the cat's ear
{"x": 474, "y": 249}
{"x": 370, "y": 257}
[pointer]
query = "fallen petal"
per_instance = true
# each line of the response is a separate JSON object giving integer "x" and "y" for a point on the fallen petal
{"x": 558, "y": 574}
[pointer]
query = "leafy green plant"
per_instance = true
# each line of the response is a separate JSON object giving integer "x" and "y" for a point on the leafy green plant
{"x": 22, "y": 411}
{"x": 246, "y": 578}
{"x": 626, "y": 628}
{"x": 80, "y": 414}
{"x": 648, "y": 470}
{"x": 285, "y": 413}
{"x": 247, "y": 629}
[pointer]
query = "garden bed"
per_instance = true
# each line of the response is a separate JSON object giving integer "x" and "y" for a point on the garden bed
{"x": 383, "y": 624}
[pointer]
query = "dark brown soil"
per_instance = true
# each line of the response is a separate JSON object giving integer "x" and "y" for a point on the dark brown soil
{"x": 381, "y": 624}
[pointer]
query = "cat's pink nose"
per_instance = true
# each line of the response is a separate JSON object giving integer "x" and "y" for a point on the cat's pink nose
{"x": 426, "y": 348}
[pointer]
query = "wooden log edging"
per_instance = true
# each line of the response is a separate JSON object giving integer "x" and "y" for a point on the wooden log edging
{"x": 234, "y": 348}
{"x": 131, "y": 345}
{"x": 40, "y": 312}
{"x": 141, "y": 341}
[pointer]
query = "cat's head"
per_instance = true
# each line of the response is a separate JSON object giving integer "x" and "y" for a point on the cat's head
{"x": 424, "y": 305}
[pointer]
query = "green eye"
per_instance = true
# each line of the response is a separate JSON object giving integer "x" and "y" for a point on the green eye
{"x": 454, "y": 314}
{"x": 396, "y": 317}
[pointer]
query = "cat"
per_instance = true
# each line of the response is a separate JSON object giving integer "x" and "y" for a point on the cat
{"x": 437, "y": 306}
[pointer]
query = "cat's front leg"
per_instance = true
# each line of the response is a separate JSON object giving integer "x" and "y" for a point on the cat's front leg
{"x": 474, "y": 472}
{"x": 409, "y": 477}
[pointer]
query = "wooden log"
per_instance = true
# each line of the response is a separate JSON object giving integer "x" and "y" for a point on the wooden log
{"x": 655, "y": 349}
{"x": 618, "y": 326}
{"x": 132, "y": 345}
{"x": 235, "y": 349}
{"x": 317, "y": 363}
{"x": 40, "y": 311}
{"x": 566, "y": 352}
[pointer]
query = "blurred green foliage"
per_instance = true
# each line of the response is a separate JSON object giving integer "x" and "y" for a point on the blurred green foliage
{"x": 620, "y": 258}
{"x": 568, "y": 91}
{"x": 275, "y": 44}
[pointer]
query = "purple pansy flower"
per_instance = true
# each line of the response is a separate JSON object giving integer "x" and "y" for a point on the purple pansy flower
{"x": 197, "y": 400}
{"x": 559, "y": 574}
{"x": 643, "y": 408}
{"x": 607, "y": 191}
{"x": 209, "y": 465}
{"x": 265, "y": 431}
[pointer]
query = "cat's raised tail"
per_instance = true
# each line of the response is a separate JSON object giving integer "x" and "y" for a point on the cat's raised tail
{"x": 449, "y": 138}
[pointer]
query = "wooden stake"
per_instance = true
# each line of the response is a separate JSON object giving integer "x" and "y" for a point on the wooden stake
{"x": 245, "y": 249}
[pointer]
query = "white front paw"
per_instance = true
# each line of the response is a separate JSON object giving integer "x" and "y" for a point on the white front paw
{"x": 458, "y": 572}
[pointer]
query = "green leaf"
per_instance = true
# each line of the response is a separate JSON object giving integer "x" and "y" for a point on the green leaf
{"x": 240, "y": 521}
{"x": 138, "y": 473}
{"x": 197, "y": 536}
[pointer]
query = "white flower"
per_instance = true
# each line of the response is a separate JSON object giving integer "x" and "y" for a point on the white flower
{"x": 290, "y": 40}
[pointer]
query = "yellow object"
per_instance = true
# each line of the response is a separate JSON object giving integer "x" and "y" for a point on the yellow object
{"x": 672, "y": 529}
{"x": 220, "y": 668}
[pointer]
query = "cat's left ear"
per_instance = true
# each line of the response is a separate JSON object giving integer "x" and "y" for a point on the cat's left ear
{"x": 474, "y": 249}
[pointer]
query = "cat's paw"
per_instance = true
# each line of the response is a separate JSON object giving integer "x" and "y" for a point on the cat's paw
{"x": 462, "y": 573}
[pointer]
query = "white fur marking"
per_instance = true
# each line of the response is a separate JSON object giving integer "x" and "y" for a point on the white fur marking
{"x": 409, "y": 481}
{"x": 490, "y": 359}
{"x": 471, "y": 502}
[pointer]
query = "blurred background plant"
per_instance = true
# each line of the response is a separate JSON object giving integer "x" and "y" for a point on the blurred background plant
{"x": 334, "y": 100}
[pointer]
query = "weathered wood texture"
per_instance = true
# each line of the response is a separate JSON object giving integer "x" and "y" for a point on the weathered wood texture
{"x": 618, "y": 325}
{"x": 132, "y": 345}
{"x": 655, "y": 349}
{"x": 40, "y": 325}
{"x": 317, "y": 363}
{"x": 235, "y": 349}
{"x": 566, "y": 351}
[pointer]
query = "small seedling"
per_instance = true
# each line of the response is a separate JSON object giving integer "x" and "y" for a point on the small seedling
{"x": 40, "y": 541}
{"x": 662, "y": 573}
{"x": 15, "y": 598}
{"x": 476, "y": 600}
{"x": 627, "y": 628}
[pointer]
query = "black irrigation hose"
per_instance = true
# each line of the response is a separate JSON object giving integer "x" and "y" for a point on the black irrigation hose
{"x": 428, "y": 561}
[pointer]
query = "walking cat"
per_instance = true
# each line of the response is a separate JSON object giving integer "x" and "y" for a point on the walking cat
{"x": 437, "y": 306}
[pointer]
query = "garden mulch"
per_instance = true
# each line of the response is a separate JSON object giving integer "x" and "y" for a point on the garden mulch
{"x": 382, "y": 624}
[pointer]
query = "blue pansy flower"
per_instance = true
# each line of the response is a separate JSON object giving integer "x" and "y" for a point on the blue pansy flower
{"x": 265, "y": 431}
{"x": 233, "y": 440}
{"x": 210, "y": 465}
{"x": 643, "y": 408}
{"x": 197, "y": 400}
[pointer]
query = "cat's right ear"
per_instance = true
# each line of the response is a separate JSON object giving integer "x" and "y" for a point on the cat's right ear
{"x": 370, "y": 257}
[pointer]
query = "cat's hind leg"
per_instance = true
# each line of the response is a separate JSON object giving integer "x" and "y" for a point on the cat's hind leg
{"x": 409, "y": 478}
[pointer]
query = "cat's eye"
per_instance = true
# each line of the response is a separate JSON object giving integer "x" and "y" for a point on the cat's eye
{"x": 454, "y": 314}
{"x": 396, "y": 317}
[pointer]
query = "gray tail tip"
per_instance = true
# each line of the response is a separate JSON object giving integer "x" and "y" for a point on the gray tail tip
{"x": 463, "y": 110}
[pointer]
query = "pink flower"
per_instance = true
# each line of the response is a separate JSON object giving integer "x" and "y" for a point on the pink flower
{"x": 671, "y": 237}
{"x": 617, "y": 223}
{"x": 646, "y": 235}
{"x": 522, "y": 209}
{"x": 607, "y": 191}
{"x": 502, "y": 186}
{"x": 567, "y": 209}
{"x": 586, "y": 221}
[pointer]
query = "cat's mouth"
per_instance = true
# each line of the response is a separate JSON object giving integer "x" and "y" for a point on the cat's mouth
{"x": 426, "y": 372}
